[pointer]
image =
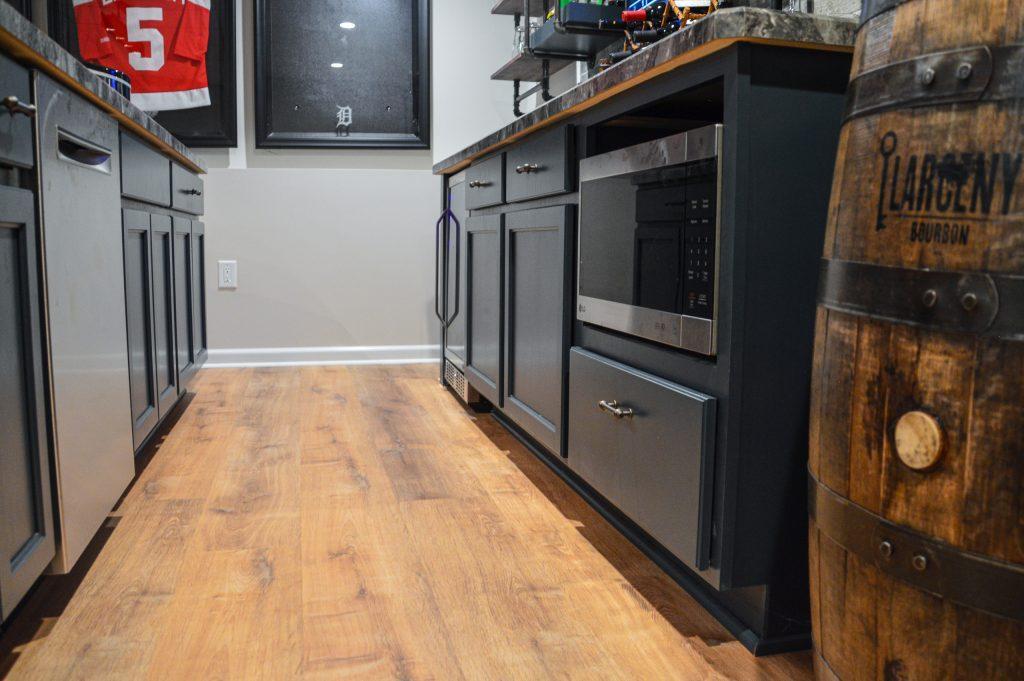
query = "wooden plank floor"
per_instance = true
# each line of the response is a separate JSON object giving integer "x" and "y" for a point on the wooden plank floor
{"x": 358, "y": 523}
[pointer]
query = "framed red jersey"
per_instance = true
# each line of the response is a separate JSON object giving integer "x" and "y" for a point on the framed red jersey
{"x": 160, "y": 44}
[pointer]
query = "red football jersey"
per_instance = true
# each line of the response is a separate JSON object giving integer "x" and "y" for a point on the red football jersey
{"x": 161, "y": 44}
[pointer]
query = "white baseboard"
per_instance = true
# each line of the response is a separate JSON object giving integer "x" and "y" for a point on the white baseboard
{"x": 283, "y": 357}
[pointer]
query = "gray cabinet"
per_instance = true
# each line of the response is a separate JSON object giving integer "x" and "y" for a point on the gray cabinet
{"x": 186, "y": 190}
{"x": 165, "y": 355}
{"x": 538, "y": 296}
{"x": 27, "y": 539}
{"x": 541, "y": 165}
{"x": 151, "y": 301}
{"x": 483, "y": 305}
{"x": 145, "y": 172}
{"x": 138, "y": 278}
{"x": 16, "y": 127}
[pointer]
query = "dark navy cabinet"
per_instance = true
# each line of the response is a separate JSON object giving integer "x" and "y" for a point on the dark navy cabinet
{"x": 538, "y": 282}
{"x": 484, "y": 282}
{"x": 138, "y": 284}
{"x": 27, "y": 540}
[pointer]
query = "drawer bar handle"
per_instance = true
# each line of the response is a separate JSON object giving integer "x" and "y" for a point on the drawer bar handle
{"x": 474, "y": 184}
{"x": 613, "y": 408}
{"x": 191, "y": 192}
{"x": 16, "y": 106}
{"x": 528, "y": 168}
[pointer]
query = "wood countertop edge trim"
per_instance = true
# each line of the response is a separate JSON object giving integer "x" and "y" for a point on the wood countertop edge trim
{"x": 26, "y": 55}
{"x": 683, "y": 59}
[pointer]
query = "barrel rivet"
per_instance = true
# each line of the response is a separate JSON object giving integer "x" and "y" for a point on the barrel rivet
{"x": 969, "y": 301}
{"x": 927, "y": 77}
{"x": 930, "y": 297}
{"x": 963, "y": 72}
{"x": 885, "y": 548}
{"x": 920, "y": 562}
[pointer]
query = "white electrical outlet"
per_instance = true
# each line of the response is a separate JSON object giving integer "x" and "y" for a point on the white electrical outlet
{"x": 227, "y": 273}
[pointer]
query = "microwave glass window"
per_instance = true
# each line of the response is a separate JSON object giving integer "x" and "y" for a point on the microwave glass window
{"x": 649, "y": 239}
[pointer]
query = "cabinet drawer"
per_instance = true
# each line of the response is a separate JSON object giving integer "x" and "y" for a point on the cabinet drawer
{"x": 655, "y": 460}
{"x": 540, "y": 166}
{"x": 16, "y": 145}
{"x": 486, "y": 183}
{"x": 186, "y": 190}
{"x": 145, "y": 172}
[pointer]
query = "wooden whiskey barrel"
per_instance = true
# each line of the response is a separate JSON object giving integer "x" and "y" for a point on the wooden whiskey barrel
{"x": 917, "y": 423}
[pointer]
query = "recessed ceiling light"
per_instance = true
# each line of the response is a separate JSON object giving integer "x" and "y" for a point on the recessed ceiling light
{"x": 337, "y": 65}
{"x": 347, "y": 25}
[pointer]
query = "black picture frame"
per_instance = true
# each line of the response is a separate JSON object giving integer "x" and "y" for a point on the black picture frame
{"x": 269, "y": 137}
{"x": 24, "y": 7}
{"x": 206, "y": 127}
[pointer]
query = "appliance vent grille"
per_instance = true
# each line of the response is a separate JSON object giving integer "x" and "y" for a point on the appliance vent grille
{"x": 456, "y": 380}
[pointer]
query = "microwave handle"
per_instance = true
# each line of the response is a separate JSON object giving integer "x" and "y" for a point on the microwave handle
{"x": 439, "y": 290}
{"x": 458, "y": 266}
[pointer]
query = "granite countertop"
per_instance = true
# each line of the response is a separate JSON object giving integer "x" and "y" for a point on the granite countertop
{"x": 26, "y": 43}
{"x": 719, "y": 30}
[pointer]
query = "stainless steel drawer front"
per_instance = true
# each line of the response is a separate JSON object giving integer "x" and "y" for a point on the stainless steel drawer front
{"x": 647, "y": 446}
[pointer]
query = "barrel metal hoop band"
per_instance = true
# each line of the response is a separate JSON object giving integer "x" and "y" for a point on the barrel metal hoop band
{"x": 872, "y": 8}
{"x": 972, "y": 74}
{"x": 965, "y": 302}
{"x": 964, "y": 578}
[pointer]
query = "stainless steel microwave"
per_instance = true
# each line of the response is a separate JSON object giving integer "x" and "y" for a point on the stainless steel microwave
{"x": 649, "y": 233}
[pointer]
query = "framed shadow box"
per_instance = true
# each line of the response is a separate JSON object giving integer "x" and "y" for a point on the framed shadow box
{"x": 215, "y": 125}
{"x": 343, "y": 73}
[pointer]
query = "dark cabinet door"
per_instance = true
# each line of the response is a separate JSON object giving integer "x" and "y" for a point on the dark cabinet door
{"x": 183, "y": 317}
{"x": 27, "y": 538}
{"x": 483, "y": 305}
{"x": 138, "y": 278}
{"x": 165, "y": 360}
{"x": 199, "y": 293}
{"x": 538, "y": 276}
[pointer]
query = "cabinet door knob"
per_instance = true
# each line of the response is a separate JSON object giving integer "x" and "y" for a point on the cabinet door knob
{"x": 613, "y": 408}
{"x": 527, "y": 168}
{"x": 16, "y": 106}
{"x": 479, "y": 183}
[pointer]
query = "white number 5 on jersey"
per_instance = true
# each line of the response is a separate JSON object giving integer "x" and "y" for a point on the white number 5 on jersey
{"x": 138, "y": 34}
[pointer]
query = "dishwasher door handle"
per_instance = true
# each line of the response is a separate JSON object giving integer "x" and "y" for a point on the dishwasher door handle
{"x": 79, "y": 152}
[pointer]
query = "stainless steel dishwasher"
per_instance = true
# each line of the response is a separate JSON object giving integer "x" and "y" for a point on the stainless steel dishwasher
{"x": 84, "y": 269}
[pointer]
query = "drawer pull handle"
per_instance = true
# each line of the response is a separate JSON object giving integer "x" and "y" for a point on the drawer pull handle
{"x": 16, "y": 106}
{"x": 474, "y": 184}
{"x": 527, "y": 168}
{"x": 613, "y": 408}
{"x": 191, "y": 192}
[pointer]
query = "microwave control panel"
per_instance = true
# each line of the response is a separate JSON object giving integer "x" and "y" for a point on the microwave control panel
{"x": 700, "y": 238}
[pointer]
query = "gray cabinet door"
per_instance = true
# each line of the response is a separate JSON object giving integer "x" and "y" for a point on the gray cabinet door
{"x": 538, "y": 275}
{"x": 483, "y": 305}
{"x": 165, "y": 360}
{"x": 199, "y": 293}
{"x": 27, "y": 538}
{"x": 138, "y": 278}
{"x": 183, "y": 317}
